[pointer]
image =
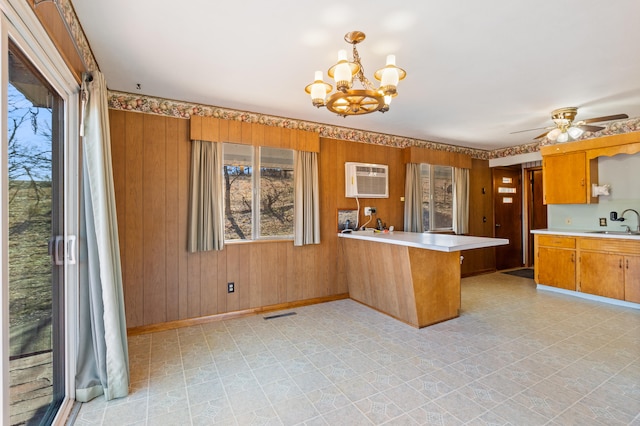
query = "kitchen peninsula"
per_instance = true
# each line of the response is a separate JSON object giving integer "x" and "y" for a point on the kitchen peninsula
{"x": 413, "y": 277}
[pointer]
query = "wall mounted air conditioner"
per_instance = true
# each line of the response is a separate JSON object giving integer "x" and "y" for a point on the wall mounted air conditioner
{"x": 364, "y": 180}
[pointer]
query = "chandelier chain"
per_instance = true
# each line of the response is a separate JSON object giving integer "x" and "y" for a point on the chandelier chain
{"x": 363, "y": 79}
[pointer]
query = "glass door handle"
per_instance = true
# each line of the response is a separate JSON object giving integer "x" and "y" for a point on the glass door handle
{"x": 71, "y": 249}
{"x": 59, "y": 250}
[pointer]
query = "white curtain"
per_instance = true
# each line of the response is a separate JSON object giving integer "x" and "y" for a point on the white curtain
{"x": 102, "y": 357}
{"x": 460, "y": 200}
{"x": 306, "y": 204}
{"x": 413, "y": 199}
{"x": 206, "y": 202}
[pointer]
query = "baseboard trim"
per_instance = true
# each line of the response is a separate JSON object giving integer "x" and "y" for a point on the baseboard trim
{"x": 588, "y": 296}
{"x": 172, "y": 325}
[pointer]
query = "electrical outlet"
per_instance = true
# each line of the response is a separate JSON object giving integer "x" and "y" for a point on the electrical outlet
{"x": 231, "y": 287}
{"x": 603, "y": 221}
{"x": 368, "y": 211}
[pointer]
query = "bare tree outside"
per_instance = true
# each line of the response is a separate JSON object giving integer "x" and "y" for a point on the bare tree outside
{"x": 29, "y": 164}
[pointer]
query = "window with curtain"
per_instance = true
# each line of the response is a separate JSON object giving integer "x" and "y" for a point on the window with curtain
{"x": 437, "y": 197}
{"x": 258, "y": 192}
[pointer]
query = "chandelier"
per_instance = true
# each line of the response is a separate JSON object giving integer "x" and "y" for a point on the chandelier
{"x": 348, "y": 101}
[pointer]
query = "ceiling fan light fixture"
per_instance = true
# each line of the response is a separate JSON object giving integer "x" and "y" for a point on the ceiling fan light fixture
{"x": 563, "y": 137}
{"x": 553, "y": 135}
{"x": 348, "y": 101}
{"x": 575, "y": 132}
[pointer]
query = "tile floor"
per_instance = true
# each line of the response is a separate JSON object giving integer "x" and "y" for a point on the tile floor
{"x": 515, "y": 356}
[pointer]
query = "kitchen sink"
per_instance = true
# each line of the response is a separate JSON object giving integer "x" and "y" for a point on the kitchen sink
{"x": 615, "y": 232}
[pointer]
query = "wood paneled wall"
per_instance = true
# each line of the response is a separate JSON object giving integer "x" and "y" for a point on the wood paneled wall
{"x": 164, "y": 282}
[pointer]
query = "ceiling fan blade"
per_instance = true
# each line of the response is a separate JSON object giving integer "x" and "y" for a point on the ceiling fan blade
{"x": 530, "y": 130}
{"x": 605, "y": 118}
{"x": 541, "y": 136}
{"x": 589, "y": 128}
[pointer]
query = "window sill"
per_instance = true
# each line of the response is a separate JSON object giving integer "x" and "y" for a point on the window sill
{"x": 262, "y": 241}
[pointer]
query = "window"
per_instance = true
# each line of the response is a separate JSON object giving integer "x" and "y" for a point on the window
{"x": 437, "y": 197}
{"x": 258, "y": 205}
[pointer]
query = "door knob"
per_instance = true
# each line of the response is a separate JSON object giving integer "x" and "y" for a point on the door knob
{"x": 498, "y": 225}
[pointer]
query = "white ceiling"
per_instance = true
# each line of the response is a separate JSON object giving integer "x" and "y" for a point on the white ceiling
{"x": 476, "y": 70}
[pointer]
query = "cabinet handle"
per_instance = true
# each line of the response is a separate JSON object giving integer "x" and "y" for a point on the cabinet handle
{"x": 627, "y": 263}
{"x": 573, "y": 258}
{"x": 620, "y": 264}
{"x": 581, "y": 182}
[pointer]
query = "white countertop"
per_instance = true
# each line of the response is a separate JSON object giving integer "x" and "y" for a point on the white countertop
{"x": 584, "y": 233}
{"x": 438, "y": 242}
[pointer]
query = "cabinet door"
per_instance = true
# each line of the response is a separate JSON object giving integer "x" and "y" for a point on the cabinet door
{"x": 564, "y": 178}
{"x": 556, "y": 267}
{"x": 602, "y": 274}
{"x": 632, "y": 279}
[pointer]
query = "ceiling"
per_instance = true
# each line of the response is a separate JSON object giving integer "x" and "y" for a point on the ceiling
{"x": 476, "y": 71}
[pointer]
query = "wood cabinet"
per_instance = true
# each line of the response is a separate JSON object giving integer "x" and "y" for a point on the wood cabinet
{"x": 610, "y": 268}
{"x": 555, "y": 263}
{"x": 632, "y": 279}
{"x": 602, "y": 274}
{"x": 607, "y": 267}
{"x": 567, "y": 178}
{"x": 569, "y": 169}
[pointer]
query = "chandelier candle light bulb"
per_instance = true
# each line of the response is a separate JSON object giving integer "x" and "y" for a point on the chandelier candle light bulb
{"x": 342, "y": 72}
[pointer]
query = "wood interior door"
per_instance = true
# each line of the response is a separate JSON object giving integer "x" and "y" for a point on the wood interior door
{"x": 536, "y": 209}
{"x": 507, "y": 198}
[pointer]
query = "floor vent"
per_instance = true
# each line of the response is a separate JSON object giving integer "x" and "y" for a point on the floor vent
{"x": 288, "y": 314}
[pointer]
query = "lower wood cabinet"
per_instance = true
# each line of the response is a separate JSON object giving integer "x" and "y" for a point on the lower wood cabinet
{"x": 555, "y": 263}
{"x": 632, "y": 278}
{"x": 601, "y": 266}
{"x": 602, "y": 274}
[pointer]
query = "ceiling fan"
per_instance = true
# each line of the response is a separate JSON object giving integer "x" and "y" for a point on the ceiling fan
{"x": 566, "y": 129}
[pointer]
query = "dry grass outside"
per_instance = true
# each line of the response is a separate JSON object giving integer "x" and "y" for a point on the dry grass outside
{"x": 29, "y": 267}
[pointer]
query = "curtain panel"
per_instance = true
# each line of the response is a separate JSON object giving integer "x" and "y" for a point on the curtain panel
{"x": 102, "y": 352}
{"x": 413, "y": 199}
{"x": 206, "y": 198}
{"x": 306, "y": 204}
{"x": 460, "y": 200}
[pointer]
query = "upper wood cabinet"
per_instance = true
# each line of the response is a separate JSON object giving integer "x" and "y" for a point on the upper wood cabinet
{"x": 567, "y": 178}
{"x": 569, "y": 169}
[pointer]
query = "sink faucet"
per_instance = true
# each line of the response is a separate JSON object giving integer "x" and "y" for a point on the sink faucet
{"x": 627, "y": 229}
{"x": 637, "y": 217}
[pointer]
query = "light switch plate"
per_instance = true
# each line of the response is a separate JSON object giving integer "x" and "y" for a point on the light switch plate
{"x": 603, "y": 221}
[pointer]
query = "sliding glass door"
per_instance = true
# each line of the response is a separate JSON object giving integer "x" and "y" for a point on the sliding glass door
{"x": 37, "y": 247}
{"x": 39, "y": 186}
